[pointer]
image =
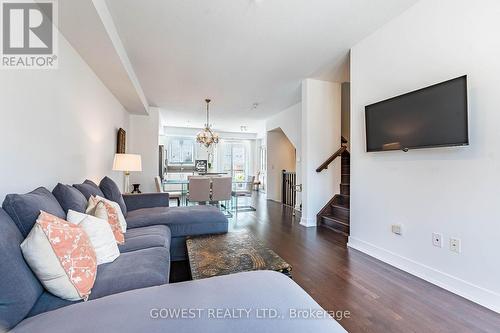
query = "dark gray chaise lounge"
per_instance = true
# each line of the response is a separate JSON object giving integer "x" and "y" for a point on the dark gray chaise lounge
{"x": 182, "y": 222}
{"x": 143, "y": 310}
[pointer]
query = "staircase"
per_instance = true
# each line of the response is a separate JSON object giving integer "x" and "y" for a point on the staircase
{"x": 335, "y": 215}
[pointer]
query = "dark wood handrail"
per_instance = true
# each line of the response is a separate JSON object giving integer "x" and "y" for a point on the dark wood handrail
{"x": 331, "y": 159}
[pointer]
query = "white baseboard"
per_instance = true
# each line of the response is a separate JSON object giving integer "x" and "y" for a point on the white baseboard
{"x": 308, "y": 222}
{"x": 474, "y": 293}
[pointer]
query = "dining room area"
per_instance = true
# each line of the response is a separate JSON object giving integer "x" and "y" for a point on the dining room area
{"x": 221, "y": 190}
{"x": 224, "y": 174}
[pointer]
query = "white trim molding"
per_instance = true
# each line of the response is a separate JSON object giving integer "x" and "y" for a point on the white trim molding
{"x": 474, "y": 293}
{"x": 308, "y": 222}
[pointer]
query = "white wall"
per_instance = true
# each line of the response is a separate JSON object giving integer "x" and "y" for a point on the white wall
{"x": 56, "y": 126}
{"x": 454, "y": 191}
{"x": 281, "y": 156}
{"x": 289, "y": 121}
{"x": 346, "y": 113}
{"x": 144, "y": 140}
{"x": 320, "y": 138}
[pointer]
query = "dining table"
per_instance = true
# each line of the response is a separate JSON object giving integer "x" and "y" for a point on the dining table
{"x": 184, "y": 183}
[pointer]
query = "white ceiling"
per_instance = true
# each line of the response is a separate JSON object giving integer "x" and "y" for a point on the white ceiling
{"x": 239, "y": 52}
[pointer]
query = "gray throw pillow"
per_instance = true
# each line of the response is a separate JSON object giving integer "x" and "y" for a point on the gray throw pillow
{"x": 25, "y": 208}
{"x": 88, "y": 188}
{"x": 70, "y": 198}
{"x": 112, "y": 192}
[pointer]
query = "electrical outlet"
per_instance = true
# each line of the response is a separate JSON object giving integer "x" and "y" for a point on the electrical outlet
{"x": 437, "y": 239}
{"x": 397, "y": 229}
{"x": 455, "y": 245}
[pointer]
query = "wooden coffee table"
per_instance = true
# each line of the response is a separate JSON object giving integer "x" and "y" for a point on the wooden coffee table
{"x": 234, "y": 252}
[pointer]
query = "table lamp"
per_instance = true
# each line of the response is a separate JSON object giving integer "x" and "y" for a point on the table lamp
{"x": 127, "y": 163}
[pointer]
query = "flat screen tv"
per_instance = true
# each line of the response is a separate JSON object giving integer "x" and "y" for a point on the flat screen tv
{"x": 435, "y": 116}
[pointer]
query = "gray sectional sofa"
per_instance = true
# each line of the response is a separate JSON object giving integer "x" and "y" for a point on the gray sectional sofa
{"x": 137, "y": 281}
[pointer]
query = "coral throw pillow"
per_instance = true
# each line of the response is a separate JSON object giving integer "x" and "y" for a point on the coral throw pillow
{"x": 103, "y": 210}
{"x": 61, "y": 256}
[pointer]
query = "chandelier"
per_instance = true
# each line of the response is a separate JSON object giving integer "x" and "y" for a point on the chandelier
{"x": 207, "y": 137}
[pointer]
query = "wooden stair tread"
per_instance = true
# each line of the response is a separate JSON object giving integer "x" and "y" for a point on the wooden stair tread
{"x": 336, "y": 219}
{"x": 340, "y": 200}
{"x": 339, "y": 206}
{"x": 345, "y": 233}
{"x": 335, "y": 224}
{"x": 344, "y": 197}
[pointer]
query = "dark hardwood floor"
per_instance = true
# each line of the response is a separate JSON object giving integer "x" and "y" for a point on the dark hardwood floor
{"x": 379, "y": 297}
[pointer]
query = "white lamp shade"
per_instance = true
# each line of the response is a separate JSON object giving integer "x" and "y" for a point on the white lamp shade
{"x": 127, "y": 162}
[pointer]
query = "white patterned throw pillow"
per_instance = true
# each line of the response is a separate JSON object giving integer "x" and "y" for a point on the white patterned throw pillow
{"x": 103, "y": 210}
{"x": 100, "y": 234}
{"x": 116, "y": 206}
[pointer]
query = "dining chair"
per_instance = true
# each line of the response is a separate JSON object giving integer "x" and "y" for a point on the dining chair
{"x": 221, "y": 190}
{"x": 244, "y": 191}
{"x": 171, "y": 194}
{"x": 199, "y": 189}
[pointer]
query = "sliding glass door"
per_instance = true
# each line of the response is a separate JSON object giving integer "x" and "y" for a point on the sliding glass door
{"x": 235, "y": 160}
